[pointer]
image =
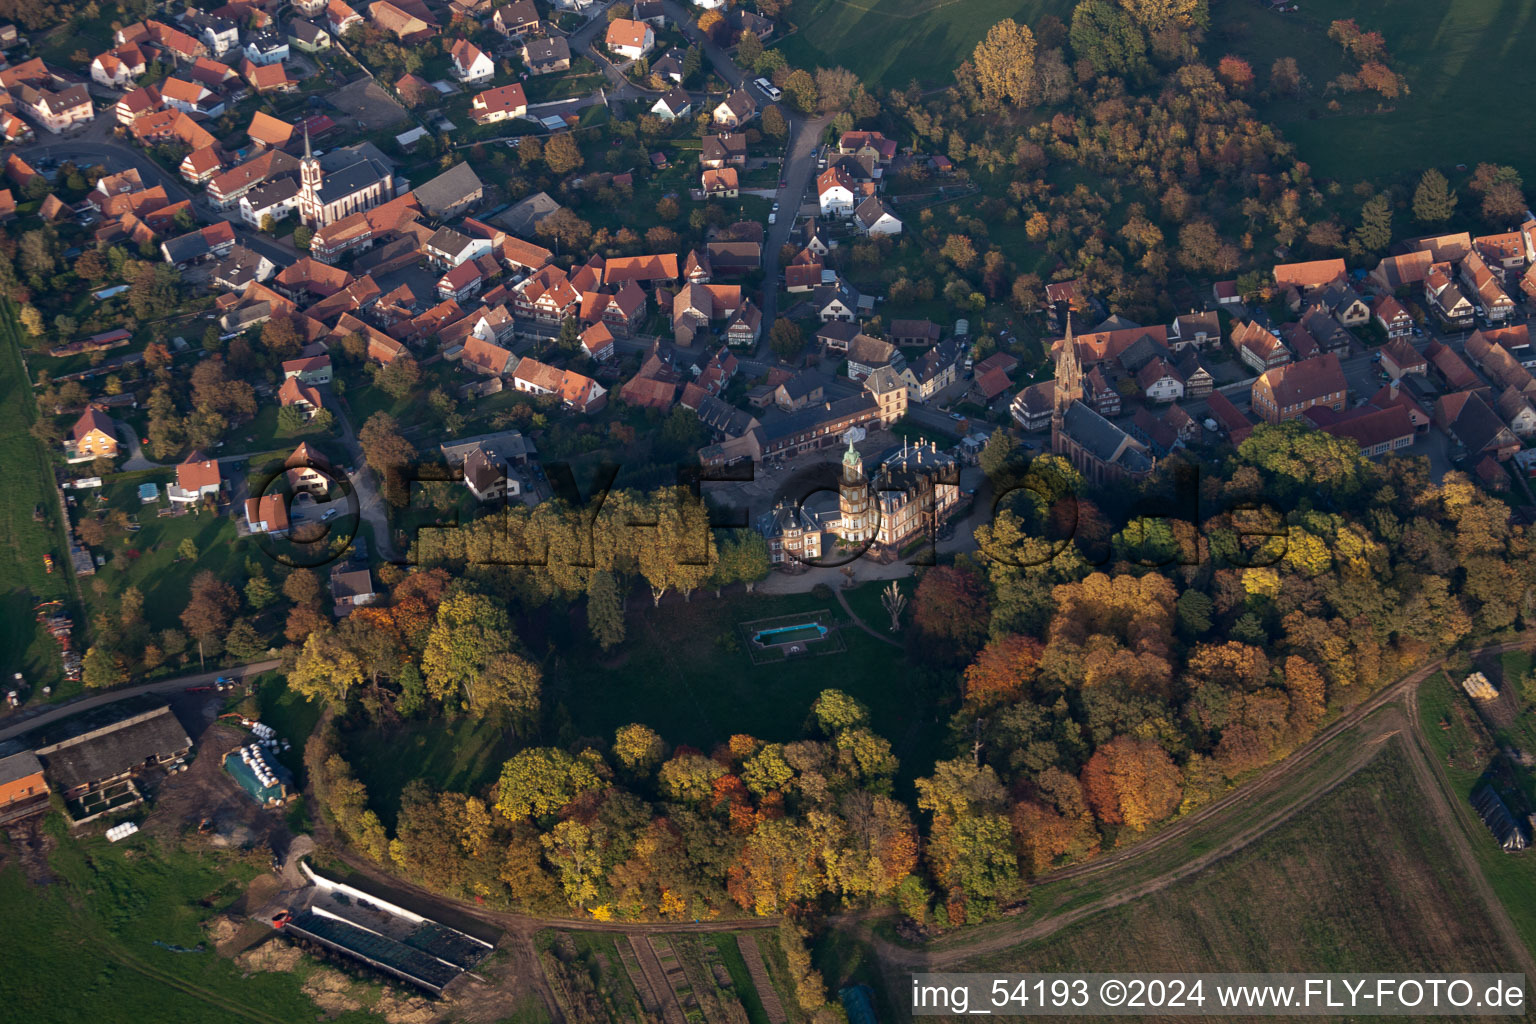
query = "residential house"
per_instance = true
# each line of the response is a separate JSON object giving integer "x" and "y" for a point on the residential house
{"x": 92, "y": 437}
{"x": 117, "y": 69}
{"x": 517, "y": 20}
{"x": 835, "y": 192}
{"x": 1288, "y": 391}
{"x": 835, "y": 302}
{"x": 735, "y": 110}
{"x": 487, "y": 477}
{"x": 1032, "y": 407}
{"x": 1449, "y": 369}
{"x": 745, "y": 326}
{"x": 651, "y": 12}
{"x": 935, "y": 370}
{"x": 1486, "y": 289}
{"x": 1392, "y": 317}
{"x": 873, "y": 217}
{"x": 268, "y": 47}
{"x": 721, "y": 184}
{"x": 804, "y": 388}
{"x": 339, "y": 17}
{"x": 547, "y": 56}
{"x": 471, "y": 65}
{"x": 726, "y": 149}
{"x": 267, "y": 514}
{"x": 1399, "y": 357}
{"x": 351, "y": 588}
{"x": 873, "y": 145}
{"x": 866, "y": 354}
{"x": 574, "y": 390}
{"x": 1447, "y": 301}
{"x": 630, "y": 39}
{"x": 1194, "y": 330}
{"x": 1473, "y": 425}
{"x": 886, "y": 386}
{"x": 1258, "y": 347}
{"x": 1160, "y": 382}
{"x": 499, "y": 104}
{"x": 312, "y": 370}
{"x": 669, "y": 66}
{"x": 308, "y": 36}
{"x": 300, "y": 396}
{"x": 1198, "y": 381}
{"x": 485, "y": 357}
{"x": 1515, "y": 409}
{"x": 673, "y": 104}
{"x": 597, "y": 342}
{"x": 211, "y": 242}
{"x": 1228, "y": 419}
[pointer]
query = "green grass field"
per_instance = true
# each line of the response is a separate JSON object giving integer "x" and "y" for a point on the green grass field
{"x": 1363, "y": 880}
{"x": 463, "y": 755}
{"x": 157, "y": 569}
{"x": 23, "y": 581}
{"x": 1446, "y": 53}
{"x": 83, "y": 948}
{"x": 892, "y": 42}
{"x": 684, "y": 672}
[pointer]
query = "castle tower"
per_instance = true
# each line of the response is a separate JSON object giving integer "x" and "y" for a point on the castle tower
{"x": 310, "y": 180}
{"x": 853, "y": 498}
{"x": 1069, "y": 385}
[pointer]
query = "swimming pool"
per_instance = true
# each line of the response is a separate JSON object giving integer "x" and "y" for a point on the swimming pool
{"x": 789, "y": 634}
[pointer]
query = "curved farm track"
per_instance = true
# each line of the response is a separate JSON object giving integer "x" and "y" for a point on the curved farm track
{"x": 1339, "y": 751}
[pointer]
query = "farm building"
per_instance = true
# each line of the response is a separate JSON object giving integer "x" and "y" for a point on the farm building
{"x": 386, "y": 937}
{"x": 1498, "y": 819}
{"x": 96, "y": 769}
{"x": 23, "y": 790}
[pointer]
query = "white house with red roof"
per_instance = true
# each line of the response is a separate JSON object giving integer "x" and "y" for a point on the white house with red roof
{"x": 834, "y": 190}
{"x": 471, "y": 65}
{"x": 630, "y": 39}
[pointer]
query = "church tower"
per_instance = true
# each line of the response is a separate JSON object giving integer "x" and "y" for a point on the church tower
{"x": 853, "y": 499}
{"x": 1069, "y": 386}
{"x": 310, "y": 180}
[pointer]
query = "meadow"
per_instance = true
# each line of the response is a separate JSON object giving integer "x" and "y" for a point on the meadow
{"x": 92, "y": 944}
{"x": 1451, "y": 114}
{"x": 1365, "y": 879}
{"x": 23, "y": 579}
{"x": 891, "y": 43}
{"x": 683, "y": 672}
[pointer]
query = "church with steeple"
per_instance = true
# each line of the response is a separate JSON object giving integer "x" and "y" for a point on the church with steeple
{"x": 1096, "y": 447}
{"x": 342, "y": 182}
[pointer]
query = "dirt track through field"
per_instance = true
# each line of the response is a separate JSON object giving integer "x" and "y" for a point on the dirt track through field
{"x": 1393, "y": 713}
{"x": 1367, "y": 726}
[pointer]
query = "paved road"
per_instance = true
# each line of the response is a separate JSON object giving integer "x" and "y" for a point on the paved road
{"x": 370, "y": 503}
{"x": 98, "y": 147}
{"x": 26, "y": 721}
